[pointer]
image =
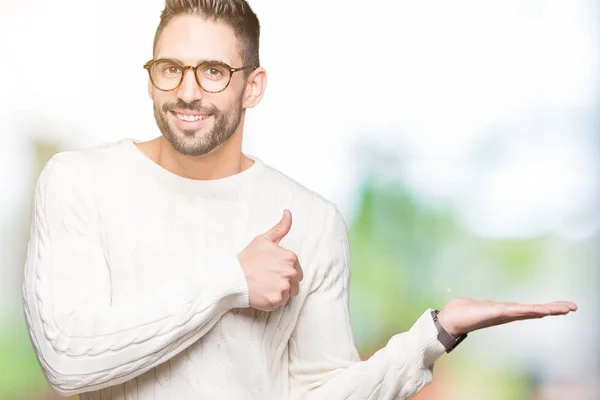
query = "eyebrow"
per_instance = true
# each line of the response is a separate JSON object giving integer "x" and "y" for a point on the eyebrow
{"x": 198, "y": 63}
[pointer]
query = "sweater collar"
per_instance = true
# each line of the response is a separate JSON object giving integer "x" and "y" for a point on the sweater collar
{"x": 228, "y": 188}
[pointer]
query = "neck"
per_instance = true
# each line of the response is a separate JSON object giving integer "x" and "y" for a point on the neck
{"x": 226, "y": 160}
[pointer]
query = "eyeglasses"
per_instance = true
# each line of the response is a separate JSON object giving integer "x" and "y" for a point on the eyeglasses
{"x": 212, "y": 76}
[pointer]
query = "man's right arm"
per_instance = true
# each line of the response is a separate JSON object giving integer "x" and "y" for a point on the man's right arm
{"x": 83, "y": 341}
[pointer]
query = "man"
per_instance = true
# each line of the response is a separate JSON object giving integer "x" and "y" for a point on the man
{"x": 165, "y": 269}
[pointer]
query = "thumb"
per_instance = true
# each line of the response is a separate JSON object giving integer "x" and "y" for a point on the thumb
{"x": 282, "y": 228}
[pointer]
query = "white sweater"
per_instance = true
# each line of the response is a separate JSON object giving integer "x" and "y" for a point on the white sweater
{"x": 132, "y": 289}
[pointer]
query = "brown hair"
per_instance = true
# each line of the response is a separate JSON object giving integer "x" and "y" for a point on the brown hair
{"x": 237, "y": 14}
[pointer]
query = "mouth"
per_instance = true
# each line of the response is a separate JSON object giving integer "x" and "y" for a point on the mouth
{"x": 189, "y": 120}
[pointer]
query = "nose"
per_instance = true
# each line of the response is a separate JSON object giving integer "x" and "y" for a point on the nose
{"x": 189, "y": 90}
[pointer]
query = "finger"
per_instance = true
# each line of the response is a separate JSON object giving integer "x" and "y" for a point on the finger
{"x": 559, "y": 308}
{"x": 278, "y": 232}
{"x": 507, "y": 312}
{"x": 560, "y": 304}
{"x": 531, "y": 311}
{"x": 510, "y": 311}
{"x": 539, "y": 312}
{"x": 300, "y": 274}
{"x": 551, "y": 309}
{"x": 572, "y": 306}
{"x": 294, "y": 287}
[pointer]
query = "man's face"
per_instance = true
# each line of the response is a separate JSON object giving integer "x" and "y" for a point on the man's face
{"x": 193, "y": 121}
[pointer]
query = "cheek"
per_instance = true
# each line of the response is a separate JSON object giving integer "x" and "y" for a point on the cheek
{"x": 220, "y": 102}
{"x": 159, "y": 112}
{"x": 160, "y": 99}
{"x": 152, "y": 92}
{"x": 232, "y": 103}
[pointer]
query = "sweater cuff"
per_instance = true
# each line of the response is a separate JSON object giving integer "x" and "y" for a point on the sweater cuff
{"x": 232, "y": 279}
{"x": 426, "y": 344}
{"x": 223, "y": 278}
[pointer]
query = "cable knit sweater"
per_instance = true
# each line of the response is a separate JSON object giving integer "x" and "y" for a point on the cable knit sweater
{"x": 132, "y": 289}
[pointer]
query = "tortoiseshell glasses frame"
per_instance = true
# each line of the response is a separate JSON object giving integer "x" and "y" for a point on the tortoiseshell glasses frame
{"x": 149, "y": 66}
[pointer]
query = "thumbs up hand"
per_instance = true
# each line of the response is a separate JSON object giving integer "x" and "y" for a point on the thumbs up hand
{"x": 272, "y": 272}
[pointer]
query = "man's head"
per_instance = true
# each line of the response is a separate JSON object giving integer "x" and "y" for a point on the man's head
{"x": 224, "y": 33}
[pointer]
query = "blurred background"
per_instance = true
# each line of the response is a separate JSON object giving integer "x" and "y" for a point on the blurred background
{"x": 459, "y": 139}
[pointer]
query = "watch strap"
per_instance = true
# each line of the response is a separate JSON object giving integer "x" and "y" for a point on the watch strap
{"x": 446, "y": 339}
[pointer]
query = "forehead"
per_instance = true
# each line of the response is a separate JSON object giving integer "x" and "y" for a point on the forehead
{"x": 191, "y": 39}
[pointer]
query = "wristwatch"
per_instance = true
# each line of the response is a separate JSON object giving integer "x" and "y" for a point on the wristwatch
{"x": 444, "y": 337}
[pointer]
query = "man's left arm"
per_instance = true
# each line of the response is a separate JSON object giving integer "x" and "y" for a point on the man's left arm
{"x": 323, "y": 360}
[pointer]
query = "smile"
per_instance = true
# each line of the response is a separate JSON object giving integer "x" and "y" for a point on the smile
{"x": 190, "y": 118}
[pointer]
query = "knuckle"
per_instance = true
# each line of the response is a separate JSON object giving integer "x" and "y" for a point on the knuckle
{"x": 292, "y": 257}
{"x": 257, "y": 244}
{"x": 291, "y": 273}
{"x": 295, "y": 290}
{"x": 274, "y": 300}
{"x": 276, "y": 229}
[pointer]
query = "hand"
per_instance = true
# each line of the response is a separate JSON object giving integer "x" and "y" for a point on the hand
{"x": 272, "y": 272}
{"x": 463, "y": 315}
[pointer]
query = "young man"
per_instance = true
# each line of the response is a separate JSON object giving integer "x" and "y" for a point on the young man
{"x": 165, "y": 269}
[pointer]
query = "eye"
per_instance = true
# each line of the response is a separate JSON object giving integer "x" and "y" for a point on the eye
{"x": 213, "y": 72}
{"x": 167, "y": 69}
{"x": 171, "y": 69}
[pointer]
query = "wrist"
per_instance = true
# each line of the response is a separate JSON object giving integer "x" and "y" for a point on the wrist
{"x": 448, "y": 325}
{"x": 449, "y": 340}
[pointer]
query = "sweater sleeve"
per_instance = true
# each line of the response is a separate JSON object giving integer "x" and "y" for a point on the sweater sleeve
{"x": 82, "y": 340}
{"x": 323, "y": 360}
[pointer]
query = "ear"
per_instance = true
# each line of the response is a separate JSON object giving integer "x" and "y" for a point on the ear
{"x": 256, "y": 83}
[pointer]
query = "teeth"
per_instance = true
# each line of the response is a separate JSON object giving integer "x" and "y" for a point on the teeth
{"x": 191, "y": 118}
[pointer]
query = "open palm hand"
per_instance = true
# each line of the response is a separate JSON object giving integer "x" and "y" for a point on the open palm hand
{"x": 464, "y": 315}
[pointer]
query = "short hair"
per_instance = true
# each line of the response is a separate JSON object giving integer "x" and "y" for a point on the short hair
{"x": 237, "y": 14}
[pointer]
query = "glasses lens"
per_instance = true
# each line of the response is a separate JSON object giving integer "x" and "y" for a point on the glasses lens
{"x": 166, "y": 74}
{"x": 213, "y": 77}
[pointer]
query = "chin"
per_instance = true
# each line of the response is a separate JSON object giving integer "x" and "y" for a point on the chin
{"x": 189, "y": 143}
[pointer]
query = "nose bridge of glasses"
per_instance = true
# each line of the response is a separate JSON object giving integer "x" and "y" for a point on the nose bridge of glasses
{"x": 187, "y": 68}
{"x": 189, "y": 84}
